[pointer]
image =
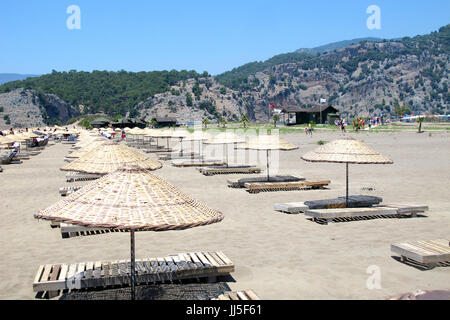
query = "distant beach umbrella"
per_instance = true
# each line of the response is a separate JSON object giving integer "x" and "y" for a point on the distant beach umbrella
{"x": 347, "y": 150}
{"x": 268, "y": 143}
{"x": 109, "y": 157}
{"x": 132, "y": 199}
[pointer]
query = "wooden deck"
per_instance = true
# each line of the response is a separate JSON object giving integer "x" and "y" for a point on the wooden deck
{"x": 53, "y": 278}
{"x": 210, "y": 171}
{"x": 425, "y": 251}
{"x": 256, "y": 187}
{"x": 333, "y": 215}
{"x": 238, "y": 295}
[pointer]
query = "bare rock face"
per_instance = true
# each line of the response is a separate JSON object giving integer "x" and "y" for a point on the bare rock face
{"x": 27, "y": 108}
{"x": 20, "y": 108}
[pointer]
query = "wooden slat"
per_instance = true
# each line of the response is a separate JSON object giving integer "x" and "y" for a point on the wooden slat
{"x": 252, "y": 295}
{"x": 241, "y": 295}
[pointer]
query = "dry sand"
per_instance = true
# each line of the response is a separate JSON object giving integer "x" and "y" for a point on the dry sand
{"x": 279, "y": 256}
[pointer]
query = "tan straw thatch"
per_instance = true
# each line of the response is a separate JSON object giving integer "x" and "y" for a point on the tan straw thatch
{"x": 227, "y": 137}
{"x": 109, "y": 157}
{"x": 346, "y": 150}
{"x": 267, "y": 142}
{"x": 131, "y": 199}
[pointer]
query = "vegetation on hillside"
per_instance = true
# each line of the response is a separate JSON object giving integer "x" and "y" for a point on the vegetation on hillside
{"x": 102, "y": 91}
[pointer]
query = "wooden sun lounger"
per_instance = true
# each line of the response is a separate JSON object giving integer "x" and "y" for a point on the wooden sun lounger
{"x": 256, "y": 187}
{"x": 355, "y": 201}
{"x": 329, "y": 215}
{"x": 197, "y": 163}
{"x": 69, "y": 159}
{"x": 177, "y": 155}
{"x": 68, "y": 142}
{"x": 238, "y": 295}
{"x": 425, "y": 252}
{"x": 77, "y": 176}
{"x": 157, "y": 150}
{"x": 240, "y": 183}
{"x": 209, "y": 171}
{"x": 57, "y": 277}
{"x": 64, "y": 191}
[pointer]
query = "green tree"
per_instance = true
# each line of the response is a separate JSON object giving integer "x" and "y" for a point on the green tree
{"x": 276, "y": 117}
{"x": 244, "y": 120}
{"x": 205, "y": 122}
{"x": 224, "y": 123}
{"x": 420, "y": 120}
{"x": 188, "y": 100}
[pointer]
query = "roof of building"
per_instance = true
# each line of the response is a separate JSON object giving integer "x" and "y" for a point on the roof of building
{"x": 308, "y": 110}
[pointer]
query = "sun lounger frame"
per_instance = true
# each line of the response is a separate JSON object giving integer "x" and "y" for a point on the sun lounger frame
{"x": 87, "y": 275}
{"x": 330, "y": 215}
{"x": 424, "y": 251}
{"x": 210, "y": 171}
{"x": 256, "y": 187}
{"x": 238, "y": 295}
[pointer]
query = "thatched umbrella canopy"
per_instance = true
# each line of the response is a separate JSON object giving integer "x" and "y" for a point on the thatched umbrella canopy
{"x": 226, "y": 138}
{"x": 346, "y": 150}
{"x": 131, "y": 198}
{"x": 268, "y": 143}
{"x": 109, "y": 157}
{"x": 200, "y": 136}
{"x": 85, "y": 149}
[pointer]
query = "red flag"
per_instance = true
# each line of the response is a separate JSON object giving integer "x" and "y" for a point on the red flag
{"x": 272, "y": 106}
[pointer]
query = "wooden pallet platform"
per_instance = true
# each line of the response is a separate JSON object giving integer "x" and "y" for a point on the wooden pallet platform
{"x": 285, "y": 186}
{"x": 424, "y": 251}
{"x": 355, "y": 201}
{"x": 238, "y": 295}
{"x": 101, "y": 274}
{"x": 210, "y": 171}
{"x": 76, "y": 176}
{"x": 197, "y": 163}
{"x": 65, "y": 191}
{"x": 240, "y": 183}
{"x": 329, "y": 215}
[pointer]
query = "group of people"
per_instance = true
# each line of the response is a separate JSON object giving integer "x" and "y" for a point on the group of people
{"x": 309, "y": 130}
{"x": 340, "y": 124}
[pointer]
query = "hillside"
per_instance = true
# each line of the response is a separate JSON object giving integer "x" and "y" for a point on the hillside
{"x": 365, "y": 78}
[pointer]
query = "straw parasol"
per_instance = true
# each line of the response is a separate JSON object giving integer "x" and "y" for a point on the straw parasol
{"x": 268, "y": 143}
{"x": 108, "y": 158}
{"x": 225, "y": 138}
{"x": 200, "y": 136}
{"x": 346, "y": 150}
{"x": 131, "y": 198}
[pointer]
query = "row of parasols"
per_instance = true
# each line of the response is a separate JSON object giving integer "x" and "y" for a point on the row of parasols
{"x": 130, "y": 197}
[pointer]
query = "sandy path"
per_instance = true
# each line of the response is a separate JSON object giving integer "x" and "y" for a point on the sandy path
{"x": 280, "y": 256}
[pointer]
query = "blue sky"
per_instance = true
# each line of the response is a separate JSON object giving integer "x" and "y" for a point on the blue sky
{"x": 203, "y": 35}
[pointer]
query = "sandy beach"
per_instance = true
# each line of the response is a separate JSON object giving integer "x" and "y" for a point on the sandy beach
{"x": 279, "y": 256}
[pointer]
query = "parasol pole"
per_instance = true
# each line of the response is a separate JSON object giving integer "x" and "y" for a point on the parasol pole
{"x": 268, "y": 177}
{"x": 181, "y": 146}
{"x": 133, "y": 268}
{"x": 346, "y": 185}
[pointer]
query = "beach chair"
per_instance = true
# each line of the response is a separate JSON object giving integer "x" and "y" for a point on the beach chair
{"x": 355, "y": 201}
{"x": 54, "y": 278}
{"x": 352, "y": 214}
{"x": 210, "y": 171}
{"x": 197, "y": 163}
{"x": 240, "y": 183}
{"x": 425, "y": 252}
{"x": 65, "y": 191}
{"x": 256, "y": 187}
{"x": 78, "y": 176}
{"x": 10, "y": 158}
{"x": 238, "y": 295}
